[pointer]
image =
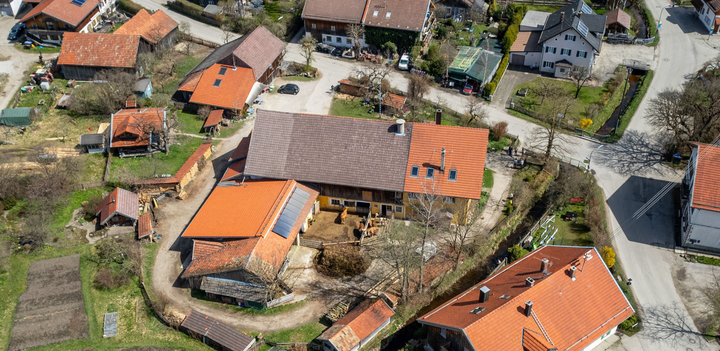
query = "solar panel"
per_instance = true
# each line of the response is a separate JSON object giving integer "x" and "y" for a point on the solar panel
{"x": 586, "y": 8}
{"x": 78, "y": 2}
{"x": 291, "y": 212}
{"x": 582, "y": 28}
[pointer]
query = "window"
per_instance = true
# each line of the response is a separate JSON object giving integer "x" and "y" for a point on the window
{"x": 413, "y": 196}
{"x": 414, "y": 171}
{"x": 452, "y": 175}
{"x": 335, "y": 202}
{"x": 562, "y": 70}
{"x": 565, "y": 52}
{"x": 50, "y": 25}
{"x": 217, "y": 82}
{"x": 347, "y": 203}
{"x": 448, "y": 199}
{"x": 332, "y": 28}
{"x": 338, "y": 39}
{"x": 398, "y": 209}
{"x": 430, "y": 174}
{"x": 570, "y": 37}
{"x": 222, "y": 71}
{"x": 548, "y": 64}
{"x": 551, "y": 49}
{"x": 348, "y": 41}
{"x": 443, "y": 333}
{"x": 55, "y": 37}
{"x": 329, "y": 38}
{"x": 581, "y": 53}
{"x": 314, "y": 26}
{"x": 387, "y": 15}
{"x": 375, "y": 13}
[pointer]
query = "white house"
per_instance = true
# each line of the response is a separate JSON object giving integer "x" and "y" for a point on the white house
{"x": 570, "y": 37}
{"x": 700, "y": 220}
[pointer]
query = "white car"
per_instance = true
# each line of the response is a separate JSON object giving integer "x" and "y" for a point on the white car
{"x": 404, "y": 63}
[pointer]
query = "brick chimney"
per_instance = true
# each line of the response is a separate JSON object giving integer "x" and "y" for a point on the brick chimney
{"x": 484, "y": 294}
{"x": 438, "y": 116}
{"x": 528, "y": 309}
{"x": 562, "y": 16}
{"x": 545, "y": 263}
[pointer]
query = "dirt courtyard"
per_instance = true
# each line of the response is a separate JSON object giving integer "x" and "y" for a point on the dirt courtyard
{"x": 47, "y": 316}
{"x": 327, "y": 227}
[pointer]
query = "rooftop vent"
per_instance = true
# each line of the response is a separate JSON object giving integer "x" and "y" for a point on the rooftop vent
{"x": 484, "y": 294}
{"x": 400, "y": 127}
{"x": 529, "y": 281}
{"x": 477, "y": 310}
{"x": 573, "y": 271}
{"x": 528, "y": 309}
{"x": 505, "y": 297}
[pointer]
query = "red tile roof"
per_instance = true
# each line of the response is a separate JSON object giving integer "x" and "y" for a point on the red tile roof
{"x": 527, "y": 42}
{"x": 138, "y": 122}
{"x": 120, "y": 201}
{"x": 465, "y": 150}
{"x": 214, "y": 118}
{"x": 63, "y": 10}
{"x": 144, "y": 225}
{"x": 358, "y": 324}
{"x": 618, "y": 16}
{"x": 705, "y": 194}
{"x": 572, "y": 314}
{"x": 394, "y": 100}
{"x": 241, "y": 151}
{"x": 232, "y": 91}
{"x": 346, "y": 11}
{"x": 245, "y": 211}
{"x": 99, "y": 50}
{"x": 534, "y": 341}
{"x": 152, "y": 28}
{"x": 234, "y": 170}
{"x": 259, "y": 49}
{"x": 203, "y": 248}
{"x": 191, "y": 81}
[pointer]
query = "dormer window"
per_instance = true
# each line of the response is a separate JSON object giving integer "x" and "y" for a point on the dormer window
{"x": 387, "y": 15}
{"x": 452, "y": 175}
{"x": 217, "y": 82}
{"x": 430, "y": 174}
{"x": 414, "y": 171}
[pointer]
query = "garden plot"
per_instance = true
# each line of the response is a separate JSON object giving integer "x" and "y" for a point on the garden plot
{"x": 51, "y": 309}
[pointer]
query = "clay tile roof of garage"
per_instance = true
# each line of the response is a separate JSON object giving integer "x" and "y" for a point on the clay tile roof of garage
{"x": 119, "y": 201}
{"x": 152, "y": 28}
{"x": 569, "y": 314}
{"x": 214, "y": 118}
{"x": 408, "y": 15}
{"x": 707, "y": 177}
{"x": 224, "y": 86}
{"x": 63, "y": 10}
{"x": 144, "y": 226}
{"x": 346, "y": 11}
{"x": 465, "y": 150}
{"x": 618, "y": 16}
{"x": 99, "y": 50}
{"x": 527, "y": 42}
{"x": 358, "y": 324}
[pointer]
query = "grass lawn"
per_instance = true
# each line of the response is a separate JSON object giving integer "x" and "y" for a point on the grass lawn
{"x": 45, "y": 50}
{"x": 231, "y": 129}
{"x": 488, "y": 178}
{"x": 189, "y": 123}
{"x": 501, "y": 144}
{"x": 352, "y": 108}
{"x": 63, "y": 215}
{"x": 569, "y": 233}
{"x": 303, "y": 333}
{"x": 113, "y": 29}
{"x": 181, "y": 69}
{"x": 543, "y": 8}
{"x": 159, "y": 163}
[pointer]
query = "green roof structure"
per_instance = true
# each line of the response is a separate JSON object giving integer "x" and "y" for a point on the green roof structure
{"x": 474, "y": 63}
{"x": 16, "y": 117}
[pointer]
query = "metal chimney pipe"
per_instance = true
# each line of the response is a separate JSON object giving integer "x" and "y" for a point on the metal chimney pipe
{"x": 400, "y": 127}
{"x": 442, "y": 160}
{"x": 573, "y": 271}
{"x": 438, "y": 116}
{"x": 528, "y": 309}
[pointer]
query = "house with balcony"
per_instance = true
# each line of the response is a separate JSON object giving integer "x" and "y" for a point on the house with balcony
{"x": 700, "y": 206}
{"x": 328, "y": 21}
{"x": 50, "y": 19}
{"x": 555, "y": 298}
{"x": 570, "y": 38}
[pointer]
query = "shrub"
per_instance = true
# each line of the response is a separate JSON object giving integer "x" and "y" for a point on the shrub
{"x": 129, "y": 6}
{"x": 608, "y": 255}
{"x": 106, "y": 280}
{"x": 9, "y": 202}
{"x": 517, "y": 252}
{"x": 585, "y": 123}
{"x": 90, "y": 206}
{"x": 342, "y": 261}
{"x": 204, "y": 112}
{"x": 489, "y": 88}
{"x": 499, "y": 130}
{"x": 415, "y": 52}
{"x": 442, "y": 32}
{"x": 627, "y": 325}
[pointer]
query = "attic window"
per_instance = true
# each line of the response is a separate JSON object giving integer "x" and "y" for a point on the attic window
{"x": 452, "y": 175}
{"x": 430, "y": 173}
{"x": 414, "y": 171}
{"x": 217, "y": 82}
{"x": 477, "y": 310}
{"x": 375, "y": 13}
{"x": 387, "y": 15}
{"x": 222, "y": 71}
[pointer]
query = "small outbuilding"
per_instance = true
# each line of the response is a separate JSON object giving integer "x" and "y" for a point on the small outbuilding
{"x": 358, "y": 327}
{"x": 17, "y": 117}
{"x": 212, "y": 11}
{"x": 94, "y": 143}
{"x": 215, "y": 333}
{"x": 143, "y": 88}
{"x": 120, "y": 208}
{"x": 393, "y": 104}
{"x": 618, "y": 21}
{"x": 349, "y": 87}
{"x": 144, "y": 226}
{"x": 212, "y": 122}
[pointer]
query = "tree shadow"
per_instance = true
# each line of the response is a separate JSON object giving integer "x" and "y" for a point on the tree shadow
{"x": 635, "y": 153}
{"x": 672, "y": 325}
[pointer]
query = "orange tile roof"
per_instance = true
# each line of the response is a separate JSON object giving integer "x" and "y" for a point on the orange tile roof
{"x": 144, "y": 225}
{"x": 705, "y": 194}
{"x": 233, "y": 255}
{"x": 465, "y": 150}
{"x": 152, "y": 28}
{"x": 241, "y": 151}
{"x": 99, "y": 50}
{"x": 118, "y": 201}
{"x": 618, "y": 16}
{"x": 534, "y": 341}
{"x": 191, "y": 81}
{"x": 233, "y": 91}
{"x": 358, "y": 324}
{"x": 63, "y": 10}
{"x": 526, "y": 42}
{"x": 214, "y": 118}
{"x": 393, "y": 100}
{"x": 234, "y": 170}
{"x": 202, "y": 248}
{"x": 569, "y": 314}
{"x": 139, "y": 122}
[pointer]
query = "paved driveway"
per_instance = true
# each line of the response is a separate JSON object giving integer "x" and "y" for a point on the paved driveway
{"x": 510, "y": 80}
{"x": 312, "y": 98}
{"x": 612, "y": 55}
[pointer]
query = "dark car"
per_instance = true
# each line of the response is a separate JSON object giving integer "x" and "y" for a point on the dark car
{"x": 289, "y": 89}
{"x": 16, "y": 31}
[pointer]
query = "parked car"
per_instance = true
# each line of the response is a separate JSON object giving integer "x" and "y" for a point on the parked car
{"x": 468, "y": 89}
{"x": 404, "y": 63}
{"x": 289, "y": 89}
{"x": 16, "y": 31}
{"x": 325, "y": 48}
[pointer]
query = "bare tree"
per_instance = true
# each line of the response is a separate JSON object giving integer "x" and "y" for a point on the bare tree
{"x": 307, "y": 49}
{"x": 357, "y": 33}
{"x": 227, "y": 33}
{"x": 546, "y": 88}
{"x": 476, "y": 113}
{"x": 396, "y": 247}
{"x": 426, "y": 210}
{"x": 548, "y": 136}
{"x": 580, "y": 76}
{"x": 460, "y": 235}
{"x": 418, "y": 86}
{"x": 375, "y": 79}
{"x": 106, "y": 97}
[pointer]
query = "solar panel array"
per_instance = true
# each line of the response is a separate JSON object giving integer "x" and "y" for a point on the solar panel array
{"x": 291, "y": 212}
{"x": 582, "y": 28}
{"x": 78, "y": 2}
{"x": 586, "y": 8}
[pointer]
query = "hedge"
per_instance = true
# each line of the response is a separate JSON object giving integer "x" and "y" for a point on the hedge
{"x": 490, "y": 87}
{"x": 377, "y": 37}
{"x": 130, "y": 7}
{"x": 190, "y": 9}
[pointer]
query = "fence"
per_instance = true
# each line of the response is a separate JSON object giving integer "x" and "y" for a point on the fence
{"x": 202, "y": 42}
{"x": 644, "y": 41}
{"x": 278, "y": 301}
{"x": 585, "y": 133}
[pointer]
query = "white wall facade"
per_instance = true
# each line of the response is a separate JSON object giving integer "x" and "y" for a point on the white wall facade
{"x": 600, "y": 339}
{"x": 340, "y": 41}
{"x": 707, "y": 17}
{"x": 559, "y": 48}
{"x": 700, "y": 228}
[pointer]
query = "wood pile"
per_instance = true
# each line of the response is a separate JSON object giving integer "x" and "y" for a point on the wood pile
{"x": 338, "y": 311}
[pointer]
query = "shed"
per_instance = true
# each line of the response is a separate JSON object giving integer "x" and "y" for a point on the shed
{"x": 213, "y": 120}
{"x": 351, "y": 88}
{"x": 393, "y": 103}
{"x": 144, "y": 226}
{"x": 618, "y": 21}
{"x": 95, "y": 143}
{"x": 215, "y": 333}
{"x": 17, "y": 117}
{"x": 212, "y": 11}
{"x": 143, "y": 88}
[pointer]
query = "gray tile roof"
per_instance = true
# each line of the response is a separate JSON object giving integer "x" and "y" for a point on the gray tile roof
{"x": 346, "y": 11}
{"x": 328, "y": 150}
{"x": 534, "y": 20}
{"x": 217, "y": 331}
{"x": 570, "y": 20}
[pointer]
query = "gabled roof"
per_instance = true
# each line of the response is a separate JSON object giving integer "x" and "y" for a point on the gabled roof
{"x": 465, "y": 150}
{"x": 328, "y": 150}
{"x": 407, "y": 15}
{"x": 152, "y": 28}
{"x": 618, "y": 16}
{"x": 144, "y": 226}
{"x": 705, "y": 193}
{"x": 19, "y": 116}
{"x": 394, "y": 100}
{"x": 63, "y": 10}
{"x": 249, "y": 211}
{"x": 224, "y": 86}
{"x": 214, "y": 118}
{"x": 569, "y": 314}
{"x": 217, "y": 331}
{"x": 119, "y": 201}
{"x": 99, "y": 50}
{"x": 345, "y": 11}
{"x": 567, "y": 18}
{"x": 358, "y": 324}
{"x": 190, "y": 81}
{"x": 714, "y": 5}
{"x": 92, "y": 139}
{"x": 139, "y": 122}
{"x": 474, "y": 62}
